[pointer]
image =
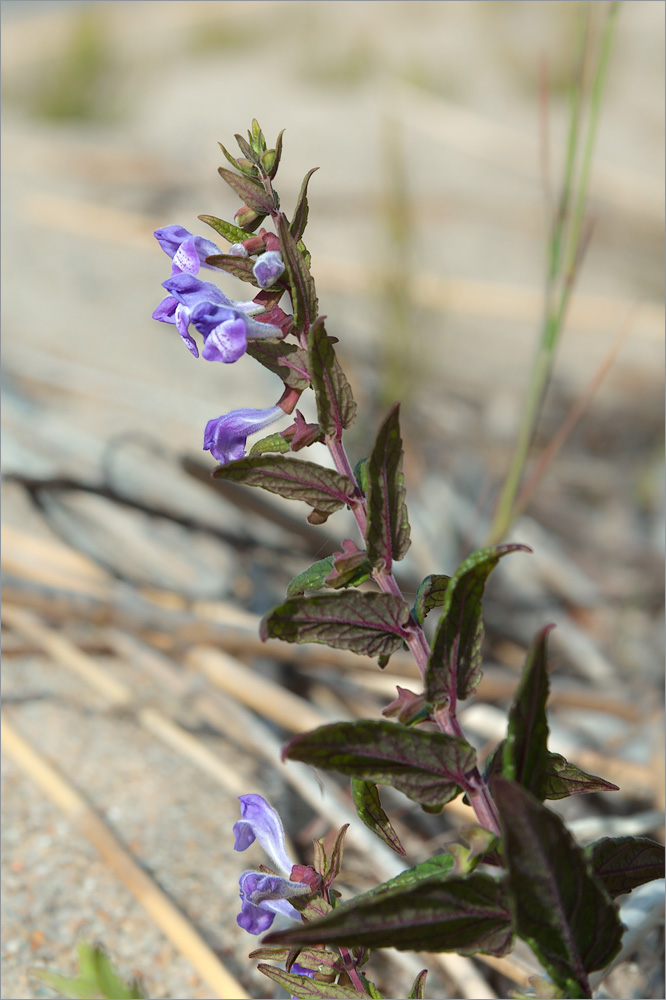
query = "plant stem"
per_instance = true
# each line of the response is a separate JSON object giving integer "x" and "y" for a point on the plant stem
{"x": 476, "y": 788}
{"x": 567, "y": 242}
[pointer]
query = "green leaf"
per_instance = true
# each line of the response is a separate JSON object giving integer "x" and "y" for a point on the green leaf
{"x": 232, "y": 159}
{"x": 300, "y": 219}
{"x": 284, "y": 359}
{"x": 334, "y": 865}
{"x": 370, "y": 988}
{"x": 454, "y": 665}
{"x": 253, "y": 194}
{"x": 247, "y": 149}
{"x": 317, "y": 960}
{"x": 311, "y": 578}
{"x": 97, "y": 978}
{"x": 387, "y": 533}
{"x": 417, "y": 991}
{"x": 437, "y": 913}
{"x": 427, "y": 767}
{"x": 321, "y": 488}
{"x": 561, "y": 909}
{"x": 350, "y": 567}
{"x": 256, "y": 137}
{"x": 336, "y": 408}
{"x": 369, "y": 808}
{"x": 430, "y": 595}
{"x": 230, "y": 232}
{"x": 271, "y": 163}
{"x": 525, "y": 755}
{"x": 562, "y": 778}
{"x": 272, "y": 443}
{"x": 303, "y": 296}
{"x": 305, "y": 988}
{"x": 239, "y": 267}
{"x": 624, "y": 863}
{"x": 370, "y": 623}
{"x": 361, "y": 474}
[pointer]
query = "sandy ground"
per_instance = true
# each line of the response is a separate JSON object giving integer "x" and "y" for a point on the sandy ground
{"x": 447, "y": 95}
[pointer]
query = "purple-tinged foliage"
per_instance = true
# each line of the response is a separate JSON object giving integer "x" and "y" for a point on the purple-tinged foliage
{"x": 225, "y": 436}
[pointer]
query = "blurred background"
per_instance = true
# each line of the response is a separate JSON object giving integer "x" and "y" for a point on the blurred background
{"x": 133, "y": 585}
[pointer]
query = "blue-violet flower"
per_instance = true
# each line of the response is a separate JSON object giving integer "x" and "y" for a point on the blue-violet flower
{"x": 226, "y": 326}
{"x": 225, "y": 436}
{"x": 188, "y": 253}
{"x": 262, "y": 895}
{"x": 268, "y": 268}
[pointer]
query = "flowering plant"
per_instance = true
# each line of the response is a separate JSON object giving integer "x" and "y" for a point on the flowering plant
{"x": 520, "y": 873}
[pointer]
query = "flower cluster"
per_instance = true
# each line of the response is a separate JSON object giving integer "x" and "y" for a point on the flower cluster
{"x": 226, "y": 326}
{"x": 265, "y": 894}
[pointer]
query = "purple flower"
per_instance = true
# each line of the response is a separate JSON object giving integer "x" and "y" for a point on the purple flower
{"x": 225, "y": 439}
{"x": 225, "y": 325}
{"x": 187, "y": 252}
{"x": 268, "y": 269}
{"x": 264, "y": 895}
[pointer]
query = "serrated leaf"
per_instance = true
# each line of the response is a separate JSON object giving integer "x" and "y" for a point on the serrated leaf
{"x": 253, "y": 194}
{"x": 97, "y": 978}
{"x": 430, "y": 594}
{"x": 271, "y": 443}
{"x": 624, "y": 863}
{"x": 561, "y": 909}
{"x": 562, "y": 779}
{"x": 239, "y": 267}
{"x": 427, "y": 767}
{"x": 231, "y": 233}
{"x": 303, "y": 296}
{"x": 300, "y": 218}
{"x": 321, "y": 488}
{"x": 466, "y": 915}
{"x": 387, "y": 533}
{"x": 284, "y": 359}
{"x": 336, "y": 409}
{"x": 417, "y": 991}
{"x": 454, "y": 665}
{"x": 525, "y": 754}
{"x": 371, "y": 623}
{"x": 369, "y": 808}
{"x": 305, "y": 988}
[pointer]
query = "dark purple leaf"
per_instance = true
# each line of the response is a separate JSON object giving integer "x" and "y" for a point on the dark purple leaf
{"x": 417, "y": 991}
{"x": 321, "y": 488}
{"x": 562, "y": 778}
{"x": 239, "y": 267}
{"x": 561, "y": 909}
{"x": 336, "y": 408}
{"x": 525, "y": 754}
{"x": 305, "y": 988}
{"x": 387, "y": 533}
{"x": 624, "y": 863}
{"x": 300, "y": 219}
{"x": 370, "y": 623}
{"x": 369, "y": 808}
{"x": 283, "y": 358}
{"x": 454, "y": 666}
{"x": 303, "y": 296}
{"x": 467, "y": 915}
{"x": 430, "y": 595}
{"x": 427, "y": 767}
{"x": 254, "y": 195}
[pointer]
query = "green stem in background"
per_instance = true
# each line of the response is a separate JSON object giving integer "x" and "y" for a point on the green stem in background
{"x": 567, "y": 243}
